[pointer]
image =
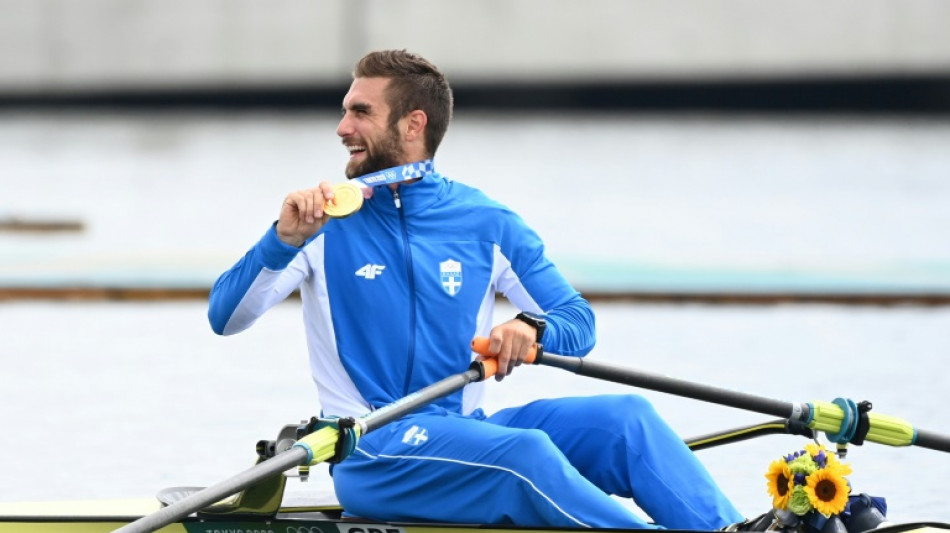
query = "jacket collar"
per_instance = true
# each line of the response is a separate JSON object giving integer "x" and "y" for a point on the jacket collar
{"x": 415, "y": 197}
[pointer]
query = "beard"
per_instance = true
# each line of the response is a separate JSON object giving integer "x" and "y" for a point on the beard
{"x": 385, "y": 153}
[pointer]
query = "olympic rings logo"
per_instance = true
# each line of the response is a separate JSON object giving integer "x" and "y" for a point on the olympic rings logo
{"x": 367, "y": 528}
{"x": 343, "y": 528}
{"x": 303, "y": 529}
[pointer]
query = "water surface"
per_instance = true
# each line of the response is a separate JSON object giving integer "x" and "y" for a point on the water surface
{"x": 110, "y": 400}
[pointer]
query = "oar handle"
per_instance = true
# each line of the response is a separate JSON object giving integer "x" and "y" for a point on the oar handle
{"x": 481, "y": 346}
{"x": 830, "y": 417}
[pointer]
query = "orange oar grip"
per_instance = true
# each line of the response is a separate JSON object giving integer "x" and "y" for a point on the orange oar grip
{"x": 489, "y": 367}
{"x": 480, "y": 346}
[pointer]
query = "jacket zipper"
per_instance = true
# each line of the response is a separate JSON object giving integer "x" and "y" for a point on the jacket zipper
{"x": 412, "y": 291}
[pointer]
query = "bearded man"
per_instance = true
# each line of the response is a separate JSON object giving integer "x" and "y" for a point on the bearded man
{"x": 394, "y": 288}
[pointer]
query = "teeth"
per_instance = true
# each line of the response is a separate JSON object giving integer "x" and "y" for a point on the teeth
{"x": 353, "y": 149}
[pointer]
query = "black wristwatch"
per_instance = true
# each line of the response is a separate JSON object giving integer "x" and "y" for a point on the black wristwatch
{"x": 533, "y": 320}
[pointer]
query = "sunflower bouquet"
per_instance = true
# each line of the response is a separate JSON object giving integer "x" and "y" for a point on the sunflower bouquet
{"x": 809, "y": 480}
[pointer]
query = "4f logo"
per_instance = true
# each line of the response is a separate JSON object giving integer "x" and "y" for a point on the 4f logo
{"x": 415, "y": 436}
{"x": 370, "y": 271}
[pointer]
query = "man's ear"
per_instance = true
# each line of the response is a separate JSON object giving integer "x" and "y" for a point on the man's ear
{"x": 415, "y": 124}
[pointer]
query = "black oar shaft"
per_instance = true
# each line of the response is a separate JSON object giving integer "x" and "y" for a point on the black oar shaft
{"x": 927, "y": 439}
{"x": 894, "y": 432}
{"x": 296, "y": 456}
{"x": 184, "y": 507}
{"x": 670, "y": 385}
{"x": 401, "y": 407}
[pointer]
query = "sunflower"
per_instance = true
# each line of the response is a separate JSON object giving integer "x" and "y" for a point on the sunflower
{"x": 827, "y": 491}
{"x": 813, "y": 448}
{"x": 779, "y": 483}
{"x": 843, "y": 469}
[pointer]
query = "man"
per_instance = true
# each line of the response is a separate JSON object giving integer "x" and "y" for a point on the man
{"x": 393, "y": 294}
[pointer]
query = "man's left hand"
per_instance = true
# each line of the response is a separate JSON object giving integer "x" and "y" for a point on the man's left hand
{"x": 511, "y": 342}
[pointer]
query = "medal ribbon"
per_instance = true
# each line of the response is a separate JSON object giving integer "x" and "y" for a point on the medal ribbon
{"x": 348, "y": 197}
{"x": 398, "y": 174}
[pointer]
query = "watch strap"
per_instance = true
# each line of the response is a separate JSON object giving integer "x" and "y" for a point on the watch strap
{"x": 535, "y": 321}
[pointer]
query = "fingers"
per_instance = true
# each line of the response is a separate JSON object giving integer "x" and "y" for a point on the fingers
{"x": 500, "y": 345}
{"x": 511, "y": 342}
{"x": 326, "y": 195}
{"x": 309, "y": 202}
{"x": 302, "y": 213}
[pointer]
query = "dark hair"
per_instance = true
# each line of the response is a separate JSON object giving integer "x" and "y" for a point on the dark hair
{"x": 415, "y": 83}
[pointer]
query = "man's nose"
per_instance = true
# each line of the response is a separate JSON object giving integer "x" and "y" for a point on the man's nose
{"x": 344, "y": 128}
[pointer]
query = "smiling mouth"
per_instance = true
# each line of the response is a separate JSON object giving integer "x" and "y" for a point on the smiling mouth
{"x": 355, "y": 149}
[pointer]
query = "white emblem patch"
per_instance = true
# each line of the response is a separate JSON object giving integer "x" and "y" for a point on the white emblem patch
{"x": 415, "y": 436}
{"x": 451, "y": 274}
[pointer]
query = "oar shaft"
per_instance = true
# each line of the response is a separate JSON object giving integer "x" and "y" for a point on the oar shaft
{"x": 184, "y": 507}
{"x": 823, "y": 416}
{"x": 675, "y": 386}
{"x": 401, "y": 407}
{"x": 298, "y": 455}
{"x": 830, "y": 417}
{"x": 927, "y": 439}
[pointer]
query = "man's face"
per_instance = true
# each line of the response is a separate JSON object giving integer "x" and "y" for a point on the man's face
{"x": 365, "y": 130}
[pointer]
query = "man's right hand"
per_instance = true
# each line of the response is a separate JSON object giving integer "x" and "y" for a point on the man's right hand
{"x": 302, "y": 215}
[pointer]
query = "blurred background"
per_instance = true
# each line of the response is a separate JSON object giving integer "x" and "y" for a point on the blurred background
{"x": 696, "y": 147}
{"x": 740, "y": 188}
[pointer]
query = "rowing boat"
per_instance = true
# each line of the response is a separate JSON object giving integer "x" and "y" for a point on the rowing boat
{"x": 257, "y": 500}
{"x": 95, "y": 519}
{"x": 312, "y": 517}
{"x": 298, "y": 511}
{"x": 315, "y": 513}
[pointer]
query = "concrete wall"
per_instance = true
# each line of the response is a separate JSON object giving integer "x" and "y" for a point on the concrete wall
{"x": 51, "y": 45}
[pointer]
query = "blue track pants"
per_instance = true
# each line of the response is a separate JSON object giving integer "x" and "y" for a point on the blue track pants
{"x": 548, "y": 463}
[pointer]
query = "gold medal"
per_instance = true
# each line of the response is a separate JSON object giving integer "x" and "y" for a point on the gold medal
{"x": 347, "y": 199}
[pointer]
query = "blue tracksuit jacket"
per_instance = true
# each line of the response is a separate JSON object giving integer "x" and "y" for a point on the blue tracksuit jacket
{"x": 391, "y": 299}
